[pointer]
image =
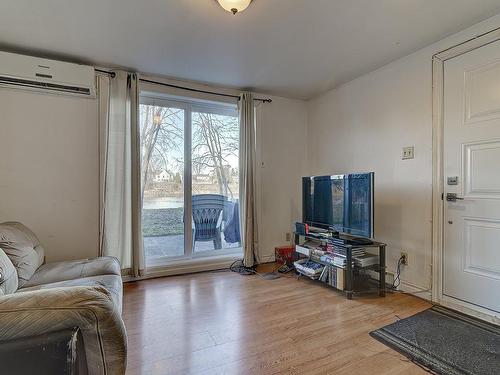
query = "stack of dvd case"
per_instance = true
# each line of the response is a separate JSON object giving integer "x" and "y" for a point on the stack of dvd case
{"x": 333, "y": 276}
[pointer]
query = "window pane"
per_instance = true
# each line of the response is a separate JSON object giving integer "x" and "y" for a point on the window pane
{"x": 215, "y": 180}
{"x": 162, "y": 175}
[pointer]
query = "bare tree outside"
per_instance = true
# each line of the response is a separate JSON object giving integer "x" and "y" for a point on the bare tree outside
{"x": 162, "y": 142}
{"x": 215, "y": 149}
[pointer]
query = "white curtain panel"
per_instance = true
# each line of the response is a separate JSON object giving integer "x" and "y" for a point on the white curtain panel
{"x": 138, "y": 263}
{"x": 120, "y": 202}
{"x": 248, "y": 182}
{"x": 103, "y": 83}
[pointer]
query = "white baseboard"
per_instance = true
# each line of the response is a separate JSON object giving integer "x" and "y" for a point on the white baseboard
{"x": 192, "y": 266}
{"x": 416, "y": 290}
{"x": 185, "y": 267}
{"x": 267, "y": 259}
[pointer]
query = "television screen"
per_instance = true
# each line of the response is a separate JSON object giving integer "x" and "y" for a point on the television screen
{"x": 341, "y": 202}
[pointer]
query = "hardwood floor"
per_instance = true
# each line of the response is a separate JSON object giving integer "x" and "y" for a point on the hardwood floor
{"x": 224, "y": 323}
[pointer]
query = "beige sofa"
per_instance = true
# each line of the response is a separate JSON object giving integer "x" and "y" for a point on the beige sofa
{"x": 38, "y": 298}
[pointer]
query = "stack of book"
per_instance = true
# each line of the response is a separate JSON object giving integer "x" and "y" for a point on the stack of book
{"x": 335, "y": 260}
{"x": 341, "y": 261}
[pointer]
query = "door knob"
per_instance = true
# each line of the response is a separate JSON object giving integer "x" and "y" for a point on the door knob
{"x": 452, "y": 197}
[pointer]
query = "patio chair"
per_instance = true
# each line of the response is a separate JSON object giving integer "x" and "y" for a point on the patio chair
{"x": 207, "y": 209}
{"x": 232, "y": 223}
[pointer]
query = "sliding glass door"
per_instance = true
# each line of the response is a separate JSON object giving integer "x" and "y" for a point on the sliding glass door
{"x": 190, "y": 179}
{"x": 162, "y": 132}
{"x": 215, "y": 179}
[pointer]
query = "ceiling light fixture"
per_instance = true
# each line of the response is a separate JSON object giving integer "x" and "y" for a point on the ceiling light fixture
{"x": 234, "y": 6}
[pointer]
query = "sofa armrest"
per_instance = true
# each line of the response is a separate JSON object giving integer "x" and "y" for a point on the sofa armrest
{"x": 26, "y": 314}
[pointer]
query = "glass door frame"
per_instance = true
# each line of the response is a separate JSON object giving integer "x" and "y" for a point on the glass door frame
{"x": 188, "y": 106}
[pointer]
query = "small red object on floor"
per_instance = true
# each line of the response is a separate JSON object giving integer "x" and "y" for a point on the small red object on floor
{"x": 285, "y": 254}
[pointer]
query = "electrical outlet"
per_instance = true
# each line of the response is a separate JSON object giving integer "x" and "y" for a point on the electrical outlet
{"x": 408, "y": 153}
{"x": 287, "y": 236}
{"x": 404, "y": 255}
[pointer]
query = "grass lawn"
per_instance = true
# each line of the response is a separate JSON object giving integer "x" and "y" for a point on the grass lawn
{"x": 162, "y": 222}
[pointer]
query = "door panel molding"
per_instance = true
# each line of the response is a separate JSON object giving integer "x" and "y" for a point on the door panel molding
{"x": 438, "y": 61}
{"x": 473, "y": 185}
{"x": 472, "y": 227}
{"x": 489, "y": 73}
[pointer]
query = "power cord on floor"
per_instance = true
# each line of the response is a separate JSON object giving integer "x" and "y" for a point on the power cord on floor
{"x": 239, "y": 267}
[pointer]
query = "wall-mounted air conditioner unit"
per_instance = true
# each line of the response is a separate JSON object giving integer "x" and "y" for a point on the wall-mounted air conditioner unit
{"x": 33, "y": 73}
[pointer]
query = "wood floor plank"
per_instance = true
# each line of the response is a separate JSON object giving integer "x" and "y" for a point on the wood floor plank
{"x": 224, "y": 323}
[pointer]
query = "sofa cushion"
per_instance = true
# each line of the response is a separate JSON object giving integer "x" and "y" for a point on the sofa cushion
{"x": 8, "y": 275}
{"x": 23, "y": 248}
{"x": 112, "y": 283}
{"x": 74, "y": 269}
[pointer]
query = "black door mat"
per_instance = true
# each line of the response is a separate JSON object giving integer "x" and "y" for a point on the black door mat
{"x": 445, "y": 342}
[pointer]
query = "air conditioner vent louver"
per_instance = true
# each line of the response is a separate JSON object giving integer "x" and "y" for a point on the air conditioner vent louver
{"x": 43, "y": 75}
{"x": 44, "y": 85}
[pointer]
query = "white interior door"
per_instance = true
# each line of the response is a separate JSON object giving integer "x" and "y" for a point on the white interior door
{"x": 472, "y": 155}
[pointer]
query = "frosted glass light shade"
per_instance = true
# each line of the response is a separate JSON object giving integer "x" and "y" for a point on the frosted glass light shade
{"x": 234, "y": 6}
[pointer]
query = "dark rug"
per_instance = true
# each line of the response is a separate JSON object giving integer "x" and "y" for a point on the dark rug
{"x": 445, "y": 342}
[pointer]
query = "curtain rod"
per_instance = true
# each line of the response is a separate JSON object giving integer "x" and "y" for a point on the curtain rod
{"x": 202, "y": 91}
{"x": 111, "y": 74}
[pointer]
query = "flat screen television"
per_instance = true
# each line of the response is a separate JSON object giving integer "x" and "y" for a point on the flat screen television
{"x": 341, "y": 202}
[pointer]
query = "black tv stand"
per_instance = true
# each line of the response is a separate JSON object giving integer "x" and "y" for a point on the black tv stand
{"x": 347, "y": 239}
{"x": 349, "y": 244}
{"x": 359, "y": 241}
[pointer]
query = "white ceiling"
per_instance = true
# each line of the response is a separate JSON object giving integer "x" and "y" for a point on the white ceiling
{"x": 294, "y": 48}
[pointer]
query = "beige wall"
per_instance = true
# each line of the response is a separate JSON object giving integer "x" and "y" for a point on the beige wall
{"x": 281, "y": 162}
{"x": 49, "y": 159}
{"x": 49, "y": 170}
{"x": 50, "y": 175}
{"x": 362, "y": 126}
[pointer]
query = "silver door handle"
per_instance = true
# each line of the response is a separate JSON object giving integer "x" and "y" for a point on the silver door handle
{"x": 452, "y": 197}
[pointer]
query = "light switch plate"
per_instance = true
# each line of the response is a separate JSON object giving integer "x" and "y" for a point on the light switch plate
{"x": 408, "y": 153}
